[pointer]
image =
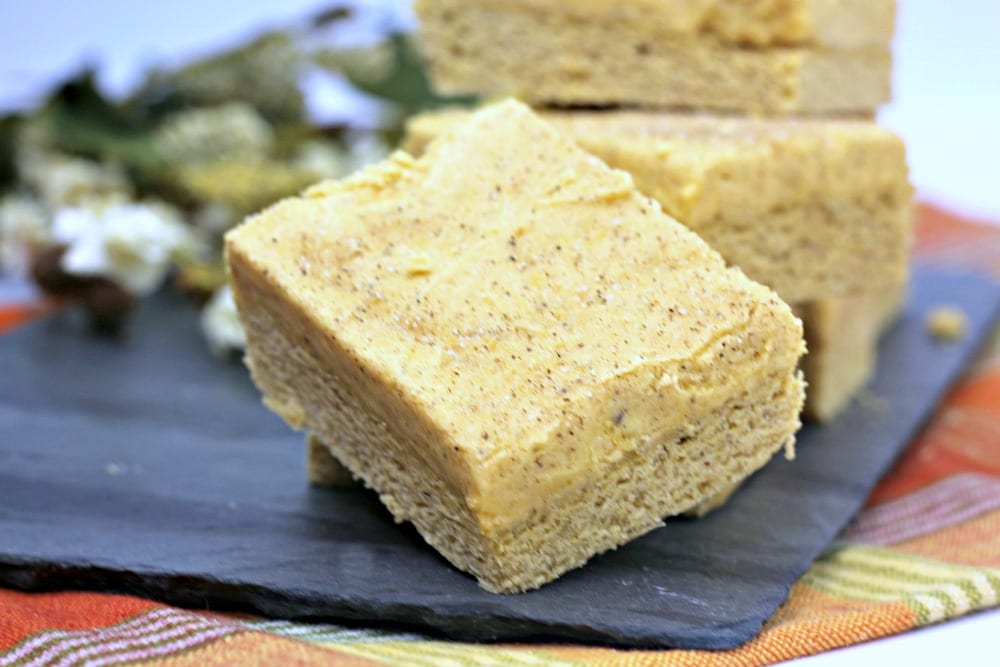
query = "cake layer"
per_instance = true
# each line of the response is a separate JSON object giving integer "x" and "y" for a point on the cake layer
{"x": 653, "y": 54}
{"x": 521, "y": 354}
{"x": 834, "y": 24}
{"x": 813, "y": 208}
{"x": 842, "y": 335}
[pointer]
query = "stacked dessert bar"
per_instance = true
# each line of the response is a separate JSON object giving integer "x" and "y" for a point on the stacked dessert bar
{"x": 761, "y": 56}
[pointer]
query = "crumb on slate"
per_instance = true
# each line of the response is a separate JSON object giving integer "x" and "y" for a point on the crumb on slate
{"x": 946, "y": 323}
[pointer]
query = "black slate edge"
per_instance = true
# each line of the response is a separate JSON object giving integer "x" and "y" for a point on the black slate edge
{"x": 204, "y": 593}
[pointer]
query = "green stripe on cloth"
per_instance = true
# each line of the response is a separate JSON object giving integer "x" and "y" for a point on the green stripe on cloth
{"x": 393, "y": 648}
{"x": 442, "y": 654}
{"x": 932, "y": 589}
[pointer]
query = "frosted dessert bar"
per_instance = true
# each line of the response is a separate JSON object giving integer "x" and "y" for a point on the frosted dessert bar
{"x": 521, "y": 354}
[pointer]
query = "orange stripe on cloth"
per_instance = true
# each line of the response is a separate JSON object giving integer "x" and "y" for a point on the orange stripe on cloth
{"x": 25, "y": 614}
{"x": 810, "y": 622}
{"x": 936, "y": 226}
{"x": 951, "y": 239}
{"x": 15, "y": 315}
{"x": 980, "y": 390}
{"x": 956, "y": 441}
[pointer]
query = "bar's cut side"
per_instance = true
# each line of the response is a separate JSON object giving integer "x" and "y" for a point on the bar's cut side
{"x": 842, "y": 335}
{"x": 813, "y": 208}
{"x": 522, "y": 355}
{"x": 714, "y": 55}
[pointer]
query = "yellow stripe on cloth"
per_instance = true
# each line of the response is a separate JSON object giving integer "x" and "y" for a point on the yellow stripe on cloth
{"x": 258, "y": 648}
{"x": 933, "y": 589}
{"x": 444, "y": 654}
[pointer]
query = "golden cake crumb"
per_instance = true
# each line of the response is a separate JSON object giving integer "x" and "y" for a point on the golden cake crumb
{"x": 946, "y": 323}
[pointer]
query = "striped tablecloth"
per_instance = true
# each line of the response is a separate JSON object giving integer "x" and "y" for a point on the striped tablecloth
{"x": 925, "y": 548}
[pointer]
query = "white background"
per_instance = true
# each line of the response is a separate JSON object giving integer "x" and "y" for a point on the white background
{"x": 947, "y": 108}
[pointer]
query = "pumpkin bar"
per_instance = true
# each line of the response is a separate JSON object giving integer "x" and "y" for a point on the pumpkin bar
{"x": 522, "y": 355}
{"x": 842, "y": 335}
{"x": 799, "y": 56}
{"x": 812, "y": 208}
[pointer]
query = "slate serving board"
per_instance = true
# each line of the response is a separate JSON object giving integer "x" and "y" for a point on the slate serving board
{"x": 150, "y": 468}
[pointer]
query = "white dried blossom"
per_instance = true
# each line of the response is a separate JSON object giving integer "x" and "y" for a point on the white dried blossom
{"x": 220, "y": 323}
{"x": 234, "y": 130}
{"x": 61, "y": 180}
{"x": 24, "y": 225}
{"x": 131, "y": 244}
